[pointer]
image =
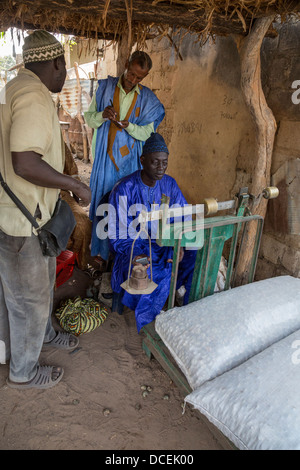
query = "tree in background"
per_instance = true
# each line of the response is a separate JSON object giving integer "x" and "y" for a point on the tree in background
{"x": 6, "y": 63}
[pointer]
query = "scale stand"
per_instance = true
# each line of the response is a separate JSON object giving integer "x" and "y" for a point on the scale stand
{"x": 151, "y": 286}
{"x": 211, "y": 238}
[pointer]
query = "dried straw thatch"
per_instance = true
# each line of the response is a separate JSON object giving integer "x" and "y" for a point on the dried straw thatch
{"x": 111, "y": 19}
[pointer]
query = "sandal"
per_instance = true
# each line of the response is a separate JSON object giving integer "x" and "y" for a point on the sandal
{"x": 62, "y": 341}
{"x": 42, "y": 379}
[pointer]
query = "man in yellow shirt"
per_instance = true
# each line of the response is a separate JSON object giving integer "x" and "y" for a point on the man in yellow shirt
{"x": 31, "y": 163}
{"x": 124, "y": 114}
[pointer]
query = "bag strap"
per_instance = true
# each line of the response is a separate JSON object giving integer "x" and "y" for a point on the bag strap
{"x": 17, "y": 201}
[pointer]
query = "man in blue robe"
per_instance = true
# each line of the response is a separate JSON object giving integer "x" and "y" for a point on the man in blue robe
{"x": 142, "y": 190}
{"x": 124, "y": 114}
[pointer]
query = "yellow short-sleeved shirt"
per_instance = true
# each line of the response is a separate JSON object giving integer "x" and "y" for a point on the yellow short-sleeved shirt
{"x": 28, "y": 122}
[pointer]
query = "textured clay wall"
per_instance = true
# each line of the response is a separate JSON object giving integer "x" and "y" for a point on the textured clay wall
{"x": 211, "y": 136}
{"x": 205, "y": 115}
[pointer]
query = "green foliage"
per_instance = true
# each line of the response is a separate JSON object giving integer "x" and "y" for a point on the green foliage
{"x": 6, "y": 63}
{"x": 70, "y": 40}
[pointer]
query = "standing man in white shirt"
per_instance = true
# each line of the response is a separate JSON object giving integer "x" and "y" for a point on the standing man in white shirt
{"x": 31, "y": 164}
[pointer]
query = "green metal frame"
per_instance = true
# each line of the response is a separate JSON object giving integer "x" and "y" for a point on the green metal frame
{"x": 210, "y": 240}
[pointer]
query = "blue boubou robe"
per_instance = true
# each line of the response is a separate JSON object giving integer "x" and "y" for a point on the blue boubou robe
{"x": 132, "y": 193}
{"x": 117, "y": 154}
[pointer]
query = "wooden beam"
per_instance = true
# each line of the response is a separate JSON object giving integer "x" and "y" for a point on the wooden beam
{"x": 62, "y": 30}
{"x": 76, "y": 16}
{"x": 89, "y": 18}
{"x": 265, "y": 128}
{"x": 124, "y": 51}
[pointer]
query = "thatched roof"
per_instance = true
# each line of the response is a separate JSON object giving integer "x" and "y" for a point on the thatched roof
{"x": 111, "y": 18}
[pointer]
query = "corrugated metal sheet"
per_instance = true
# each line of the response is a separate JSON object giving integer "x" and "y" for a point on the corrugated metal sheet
{"x": 69, "y": 96}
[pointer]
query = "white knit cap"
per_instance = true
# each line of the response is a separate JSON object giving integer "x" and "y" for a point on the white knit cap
{"x": 40, "y": 46}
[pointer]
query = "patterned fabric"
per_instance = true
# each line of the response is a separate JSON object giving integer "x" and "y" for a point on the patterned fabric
{"x": 146, "y": 306}
{"x": 78, "y": 316}
{"x": 41, "y": 46}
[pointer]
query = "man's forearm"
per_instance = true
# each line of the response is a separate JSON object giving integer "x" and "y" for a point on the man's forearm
{"x": 92, "y": 117}
{"x": 31, "y": 167}
{"x": 140, "y": 132}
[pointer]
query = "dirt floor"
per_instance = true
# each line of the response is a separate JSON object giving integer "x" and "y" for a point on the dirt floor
{"x": 98, "y": 405}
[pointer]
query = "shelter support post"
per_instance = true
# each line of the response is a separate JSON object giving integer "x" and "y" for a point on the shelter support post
{"x": 265, "y": 129}
{"x": 80, "y": 117}
{"x": 124, "y": 50}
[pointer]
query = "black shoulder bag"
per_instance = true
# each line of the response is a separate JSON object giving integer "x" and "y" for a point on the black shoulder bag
{"x": 55, "y": 234}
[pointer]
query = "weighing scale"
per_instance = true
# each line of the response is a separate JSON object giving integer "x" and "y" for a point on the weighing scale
{"x": 208, "y": 235}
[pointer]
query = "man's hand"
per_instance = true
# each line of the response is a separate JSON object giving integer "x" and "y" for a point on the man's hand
{"x": 83, "y": 192}
{"x": 144, "y": 260}
{"x": 118, "y": 124}
{"x": 109, "y": 113}
{"x": 124, "y": 124}
{"x": 181, "y": 255}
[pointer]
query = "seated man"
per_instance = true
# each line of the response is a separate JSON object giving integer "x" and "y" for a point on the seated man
{"x": 141, "y": 191}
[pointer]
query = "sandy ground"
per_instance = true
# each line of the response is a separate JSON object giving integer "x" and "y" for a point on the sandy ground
{"x": 98, "y": 405}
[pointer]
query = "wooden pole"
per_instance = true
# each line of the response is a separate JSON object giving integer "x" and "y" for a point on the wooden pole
{"x": 80, "y": 117}
{"x": 124, "y": 50}
{"x": 265, "y": 129}
{"x": 67, "y": 51}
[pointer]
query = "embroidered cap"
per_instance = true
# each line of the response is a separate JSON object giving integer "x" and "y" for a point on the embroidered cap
{"x": 40, "y": 46}
{"x": 155, "y": 143}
